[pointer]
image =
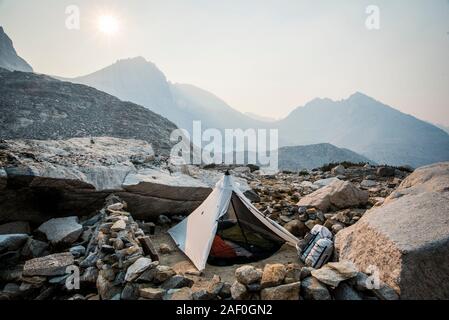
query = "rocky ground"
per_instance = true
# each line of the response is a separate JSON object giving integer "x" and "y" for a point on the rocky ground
{"x": 117, "y": 257}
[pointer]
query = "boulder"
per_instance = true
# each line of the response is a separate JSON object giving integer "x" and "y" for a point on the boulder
{"x": 339, "y": 194}
{"x": 177, "y": 282}
{"x": 368, "y": 183}
{"x": 248, "y": 275}
{"x": 51, "y": 265}
{"x": 386, "y": 172}
{"x": 297, "y": 228}
{"x": 407, "y": 238}
{"x": 63, "y": 231}
{"x": 346, "y": 292}
{"x": 34, "y": 248}
{"x": 12, "y": 242}
{"x": 179, "y": 294}
{"x": 283, "y": 292}
{"x": 137, "y": 268}
{"x": 152, "y": 293}
{"x": 312, "y": 289}
{"x": 325, "y": 182}
{"x": 239, "y": 291}
{"x": 335, "y": 272}
{"x": 273, "y": 275}
{"x": 338, "y": 170}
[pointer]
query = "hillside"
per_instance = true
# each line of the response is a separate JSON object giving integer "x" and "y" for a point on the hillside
{"x": 39, "y": 107}
{"x": 314, "y": 156}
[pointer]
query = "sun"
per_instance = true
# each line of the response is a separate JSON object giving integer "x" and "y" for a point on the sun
{"x": 108, "y": 25}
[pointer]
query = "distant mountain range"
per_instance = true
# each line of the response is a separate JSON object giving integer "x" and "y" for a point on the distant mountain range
{"x": 39, "y": 107}
{"x": 315, "y": 156}
{"x": 359, "y": 123}
{"x": 9, "y": 59}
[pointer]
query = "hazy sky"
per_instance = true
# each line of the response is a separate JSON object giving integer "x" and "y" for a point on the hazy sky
{"x": 264, "y": 57}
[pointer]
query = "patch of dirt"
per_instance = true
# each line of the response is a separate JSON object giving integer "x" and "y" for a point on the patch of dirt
{"x": 181, "y": 264}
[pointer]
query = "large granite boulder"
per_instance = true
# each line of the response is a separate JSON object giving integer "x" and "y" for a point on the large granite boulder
{"x": 338, "y": 194}
{"x": 40, "y": 180}
{"x": 407, "y": 238}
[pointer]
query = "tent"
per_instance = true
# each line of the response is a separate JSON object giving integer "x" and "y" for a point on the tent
{"x": 228, "y": 213}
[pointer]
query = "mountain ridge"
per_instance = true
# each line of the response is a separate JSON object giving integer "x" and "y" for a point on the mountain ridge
{"x": 9, "y": 59}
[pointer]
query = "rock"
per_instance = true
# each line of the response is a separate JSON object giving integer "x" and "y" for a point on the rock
{"x": 248, "y": 275}
{"x": 311, "y": 223}
{"x": 408, "y": 231}
{"x": 90, "y": 275}
{"x": 312, "y": 289}
{"x": 51, "y": 265}
{"x": 345, "y": 292}
{"x": 385, "y": 172}
{"x": 12, "y": 242}
{"x": 239, "y": 291}
{"x": 61, "y": 230}
{"x": 106, "y": 289}
{"x": 34, "y": 248}
{"x": 118, "y": 206}
{"x": 225, "y": 291}
{"x": 11, "y": 290}
{"x": 18, "y": 227}
{"x": 207, "y": 289}
{"x": 165, "y": 248}
{"x": 297, "y": 228}
{"x": 11, "y": 274}
{"x": 163, "y": 220}
{"x": 89, "y": 261}
{"x": 148, "y": 247}
{"x": 385, "y": 292}
{"x": 293, "y": 273}
{"x": 283, "y": 292}
{"x": 305, "y": 272}
{"x": 162, "y": 273}
{"x": 152, "y": 293}
{"x": 177, "y": 282}
{"x": 77, "y": 251}
{"x": 368, "y": 184}
{"x": 179, "y": 294}
{"x": 338, "y": 170}
{"x": 336, "y": 228}
{"x": 325, "y": 182}
{"x": 273, "y": 275}
{"x": 119, "y": 225}
{"x": 339, "y": 194}
{"x": 137, "y": 268}
{"x": 335, "y": 272}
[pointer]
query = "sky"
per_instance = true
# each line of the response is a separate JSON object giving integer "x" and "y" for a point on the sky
{"x": 260, "y": 56}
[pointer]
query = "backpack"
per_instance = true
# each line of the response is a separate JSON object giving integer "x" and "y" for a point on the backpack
{"x": 317, "y": 247}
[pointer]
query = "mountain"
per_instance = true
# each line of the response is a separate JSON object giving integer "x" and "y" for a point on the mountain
{"x": 443, "y": 127}
{"x": 9, "y": 59}
{"x": 368, "y": 127}
{"x": 359, "y": 123}
{"x": 211, "y": 110}
{"x": 259, "y": 118}
{"x": 141, "y": 82}
{"x": 40, "y": 107}
{"x": 314, "y": 156}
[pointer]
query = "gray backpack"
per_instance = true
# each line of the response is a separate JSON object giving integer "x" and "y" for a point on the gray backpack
{"x": 317, "y": 247}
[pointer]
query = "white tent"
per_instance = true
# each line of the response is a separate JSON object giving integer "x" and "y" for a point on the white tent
{"x": 196, "y": 233}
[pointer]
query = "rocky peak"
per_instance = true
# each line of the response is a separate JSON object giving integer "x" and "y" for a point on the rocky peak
{"x": 8, "y": 55}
